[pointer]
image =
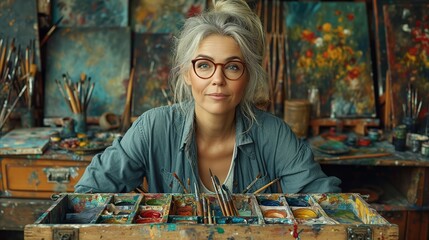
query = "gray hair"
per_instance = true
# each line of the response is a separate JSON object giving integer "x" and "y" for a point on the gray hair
{"x": 232, "y": 18}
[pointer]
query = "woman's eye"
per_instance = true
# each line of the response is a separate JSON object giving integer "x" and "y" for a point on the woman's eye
{"x": 203, "y": 65}
{"x": 232, "y": 67}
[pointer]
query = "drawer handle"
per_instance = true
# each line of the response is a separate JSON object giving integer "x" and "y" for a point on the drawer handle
{"x": 58, "y": 175}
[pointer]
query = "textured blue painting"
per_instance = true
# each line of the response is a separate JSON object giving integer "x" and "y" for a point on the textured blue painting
{"x": 103, "y": 54}
{"x": 152, "y": 53}
{"x": 90, "y": 13}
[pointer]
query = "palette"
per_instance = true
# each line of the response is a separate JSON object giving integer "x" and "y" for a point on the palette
{"x": 109, "y": 216}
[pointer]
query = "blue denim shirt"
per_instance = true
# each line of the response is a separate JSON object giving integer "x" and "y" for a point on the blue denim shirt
{"x": 161, "y": 142}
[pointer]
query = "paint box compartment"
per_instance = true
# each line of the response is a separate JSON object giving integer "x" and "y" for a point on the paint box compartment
{"x": 153, "y": 208}
{"x": 246, "y": 206}
{"x": 120, "y": 209}
{"x": 183, "y": 209}
{"x": 348, "y": 209}
{"x": 306, "y": 210}
{"x": 75, "y": 209}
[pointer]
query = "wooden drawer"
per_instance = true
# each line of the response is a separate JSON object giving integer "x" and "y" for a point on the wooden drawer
{"x": 39, "y": 178}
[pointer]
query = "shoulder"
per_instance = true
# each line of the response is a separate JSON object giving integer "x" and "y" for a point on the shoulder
{"x": 268, "y": 120}
{"x": 162, "y": 117}
{"x": 162, "y": 113}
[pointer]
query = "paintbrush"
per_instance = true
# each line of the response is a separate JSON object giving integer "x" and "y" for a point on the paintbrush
{"x": 9, "y": 111}
{"x": 371, "y": 155}
{"x": 222, "y": 195}
{"x": 126, "y": 115}
{"x": 88, "y": 97}
{"x": 266, "y": 186}
{"x": 217, "y": 193}
{"x": 230, "y": 201}
{"x": 189, "y": 184}
{"x": 2, "y": 55}
{"x": 180, "y": 182}
{"x": 31, "y": 79}
{"x": 205, "y": 220}
{"x": 50, "y": 31}
{"x": 209, "y": 212}
{"x": 198, "y": 202}
{"x": 251, "y": 184}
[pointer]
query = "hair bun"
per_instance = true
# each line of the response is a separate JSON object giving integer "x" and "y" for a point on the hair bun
{"x": 232, "y": 6}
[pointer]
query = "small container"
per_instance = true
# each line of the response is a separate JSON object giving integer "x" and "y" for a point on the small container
{"x": 415, "y": 145}
{"x": 425, "y": 149}
{"x": 399, "y": 144}
{"x": 373, "y": 134}
{"x": 400, "y": 132}
{"x": 297, "y": 116}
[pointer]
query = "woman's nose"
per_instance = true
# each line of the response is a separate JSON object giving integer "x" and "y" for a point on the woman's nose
{"x": 218, "y": 78}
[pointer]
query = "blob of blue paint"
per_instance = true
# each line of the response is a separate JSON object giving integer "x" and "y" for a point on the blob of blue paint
{"x": 297, "y": 202}
{"x": 268, "y": 202}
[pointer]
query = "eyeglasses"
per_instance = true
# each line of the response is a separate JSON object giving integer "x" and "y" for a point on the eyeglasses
{"x": 205, "y": 68}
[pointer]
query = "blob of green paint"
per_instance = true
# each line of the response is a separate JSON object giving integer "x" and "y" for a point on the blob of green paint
{"x": 171, "y": 227}
{"x": 220, "y": 230}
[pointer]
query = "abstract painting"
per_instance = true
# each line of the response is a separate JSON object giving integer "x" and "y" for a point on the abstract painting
{"x": 152, "y": 68}
{"x": 328, "y": 48}
{"x": 102, "y": 53}
{"x": 162, "y": 16}
{"x": 90, "y": 13}
{"x": 407, "y": 28}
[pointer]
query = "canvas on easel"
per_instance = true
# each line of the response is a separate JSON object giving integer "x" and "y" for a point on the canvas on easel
{"x": 328, "y": 48}
{"x": 407, "y": 27}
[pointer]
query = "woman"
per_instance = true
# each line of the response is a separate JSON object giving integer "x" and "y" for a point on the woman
{"x": 214, "y": 128}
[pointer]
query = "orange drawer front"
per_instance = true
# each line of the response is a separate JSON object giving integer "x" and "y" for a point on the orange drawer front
{"x": 40, "y": 178}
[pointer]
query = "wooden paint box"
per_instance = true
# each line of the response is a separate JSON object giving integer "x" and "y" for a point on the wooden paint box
{"x": 174, "y": 216}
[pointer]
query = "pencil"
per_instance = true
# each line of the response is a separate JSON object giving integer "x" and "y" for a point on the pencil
{"x": 266, "y": 186}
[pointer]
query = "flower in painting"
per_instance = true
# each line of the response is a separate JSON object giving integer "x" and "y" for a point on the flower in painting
{"x": 414, "y": 63}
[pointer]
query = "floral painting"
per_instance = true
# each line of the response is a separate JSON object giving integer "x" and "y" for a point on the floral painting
{"x": 328, "y": 49}
{"x": 407, "y": 28}
{"x": 380, "y": 36}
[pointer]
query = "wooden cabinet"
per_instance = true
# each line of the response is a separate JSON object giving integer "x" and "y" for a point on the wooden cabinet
{"x": 401, "y": 182}
{"x": 28, "y": 182}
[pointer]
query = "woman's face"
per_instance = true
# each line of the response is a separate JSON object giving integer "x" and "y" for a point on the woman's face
{"x": 217, "y": 94}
